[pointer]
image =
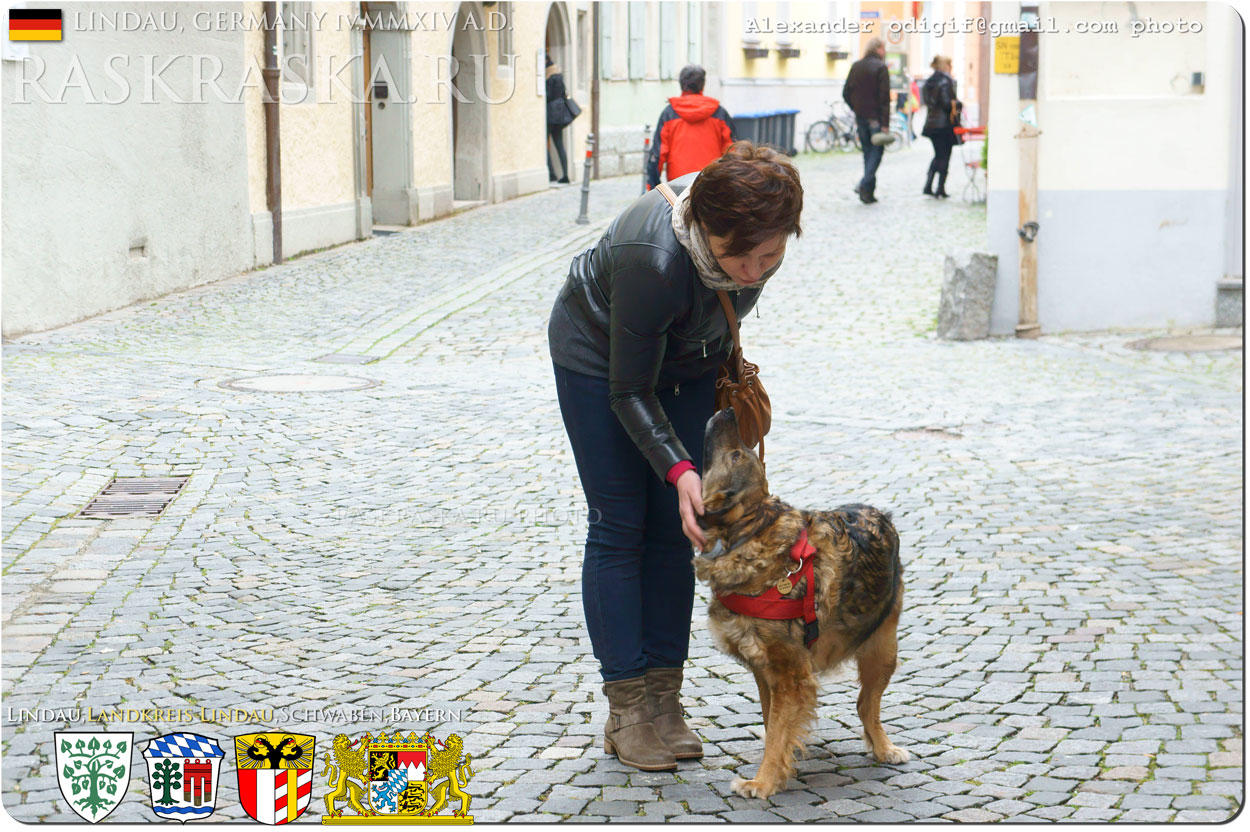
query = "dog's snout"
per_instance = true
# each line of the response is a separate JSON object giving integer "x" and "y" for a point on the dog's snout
{"x": 722, "y": 420}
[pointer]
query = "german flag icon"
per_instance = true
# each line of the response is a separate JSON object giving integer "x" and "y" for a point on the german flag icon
{"x": 34, "y": 24}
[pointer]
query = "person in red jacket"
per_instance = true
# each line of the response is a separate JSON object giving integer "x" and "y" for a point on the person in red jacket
{"x": 694, "y": 131}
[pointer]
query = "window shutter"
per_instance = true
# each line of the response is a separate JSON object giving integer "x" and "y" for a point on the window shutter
{"x": 637, "y": 40}
{"x": 668, "y": 39}
{"x": 605, "y": 41}
{"x": 694, "y": 25}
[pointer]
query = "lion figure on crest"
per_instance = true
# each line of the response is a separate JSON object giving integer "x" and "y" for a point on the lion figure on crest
{"x": 351, "y": 764}
{"x": 445, "y": 766}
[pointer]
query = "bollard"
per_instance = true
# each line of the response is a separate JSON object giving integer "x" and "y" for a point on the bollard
{"x": 583, "y": 218}
{"x": 646, "y": 154}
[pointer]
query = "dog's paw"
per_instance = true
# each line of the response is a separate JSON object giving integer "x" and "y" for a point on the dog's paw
{"x": 893, "y": 755}
{"x": 751, "y": 788}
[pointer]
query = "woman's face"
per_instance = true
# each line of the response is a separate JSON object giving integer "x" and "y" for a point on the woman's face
{"x": 747, "y": 269}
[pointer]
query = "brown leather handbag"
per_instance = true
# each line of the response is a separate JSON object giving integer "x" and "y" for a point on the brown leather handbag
{"x": 738, "y": 382}
{"x": 738, "y": 386}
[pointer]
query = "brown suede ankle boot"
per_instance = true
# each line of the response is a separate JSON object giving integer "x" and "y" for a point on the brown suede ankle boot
{"x": 629, "y": 732}
{"x": 663, "y": 691}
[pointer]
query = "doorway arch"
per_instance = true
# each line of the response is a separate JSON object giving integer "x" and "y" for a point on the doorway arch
{"x": 470, "y": 124}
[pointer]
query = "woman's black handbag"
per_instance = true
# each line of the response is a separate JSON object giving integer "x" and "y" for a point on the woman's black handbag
{"x": 562, "y": 112}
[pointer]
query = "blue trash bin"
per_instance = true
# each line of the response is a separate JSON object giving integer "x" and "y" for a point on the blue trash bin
{"x": 773, "y": 127}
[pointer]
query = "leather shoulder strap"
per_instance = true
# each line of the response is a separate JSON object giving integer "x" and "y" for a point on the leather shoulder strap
{"x": 667, "y": 192}
{"x": 731, "y": 316}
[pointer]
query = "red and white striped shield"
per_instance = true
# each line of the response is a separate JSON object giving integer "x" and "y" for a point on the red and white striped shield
{"x": 275, "y": 775}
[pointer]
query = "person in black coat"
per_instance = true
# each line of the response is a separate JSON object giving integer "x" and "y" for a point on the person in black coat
{"x": 558, "y": 118}
{"x": 867, "y": 92}
{"x": 939, "y": 125}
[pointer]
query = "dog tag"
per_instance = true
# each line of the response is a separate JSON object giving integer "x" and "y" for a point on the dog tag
{"x": 784, "y": 586}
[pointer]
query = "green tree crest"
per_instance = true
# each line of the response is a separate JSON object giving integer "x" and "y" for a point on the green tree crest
{"x": 93, "y": 769}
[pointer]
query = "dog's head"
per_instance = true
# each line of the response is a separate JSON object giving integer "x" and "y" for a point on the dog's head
{"x": 733, "y": 476}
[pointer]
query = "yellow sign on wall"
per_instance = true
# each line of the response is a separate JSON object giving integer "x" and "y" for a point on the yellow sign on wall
{"x": 1007, "y": 55}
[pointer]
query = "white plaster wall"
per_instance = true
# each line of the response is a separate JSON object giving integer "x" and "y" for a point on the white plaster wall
{"x": 109, "y": 204}
{"x": 1134, "y": 167}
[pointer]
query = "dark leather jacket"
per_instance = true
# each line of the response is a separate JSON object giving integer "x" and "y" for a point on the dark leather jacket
{"x": 867, "y": 89}
{"x": 634, "y": 311}
{"x": 938, "y": 94}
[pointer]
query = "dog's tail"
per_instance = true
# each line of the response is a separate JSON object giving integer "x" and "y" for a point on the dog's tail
{"x": 873, "y": 577}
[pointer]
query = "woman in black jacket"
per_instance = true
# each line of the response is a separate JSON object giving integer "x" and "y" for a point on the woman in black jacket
{"x": 939, "y": 124}
{"x": 636, "y": 335}
{"x": 558, "y": 117}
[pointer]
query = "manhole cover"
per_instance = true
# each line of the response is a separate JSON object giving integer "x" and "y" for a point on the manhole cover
{"x": 298, "y": 383}
{"x": 1189, "y": 343}
{"x": 926, "y": 433}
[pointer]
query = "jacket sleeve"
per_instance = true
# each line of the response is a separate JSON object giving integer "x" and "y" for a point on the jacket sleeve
{"x": 729, "y": 122}
{"x": 848, "y": 87}
{"x": 665, "y": 143}
{"x": 883, "y": 93}
{"x": 927, "y": 91}
{"x": 639, "y": 318}
{"x": 653, "y": 158}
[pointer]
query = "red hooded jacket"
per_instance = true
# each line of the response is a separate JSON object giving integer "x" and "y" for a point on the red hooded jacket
{"x": 694, "y": 130}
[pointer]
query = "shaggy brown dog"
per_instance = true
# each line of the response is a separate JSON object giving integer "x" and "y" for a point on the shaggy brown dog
{"x": 858, "y": 596}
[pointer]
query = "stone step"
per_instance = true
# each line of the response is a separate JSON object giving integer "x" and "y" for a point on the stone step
{"x": 1229, "y": 302}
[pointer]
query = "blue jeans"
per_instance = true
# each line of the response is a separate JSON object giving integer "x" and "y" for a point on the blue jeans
{"x": 637, "y": 575}
{"x": 872, "y": 155}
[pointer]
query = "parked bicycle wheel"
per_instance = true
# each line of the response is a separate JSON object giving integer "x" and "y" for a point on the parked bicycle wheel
{"x": 848, "y": 137}
{"x": 821, "y": 137}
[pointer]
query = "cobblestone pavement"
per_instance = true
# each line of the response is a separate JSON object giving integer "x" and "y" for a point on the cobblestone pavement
{"x": 1070, "y": 512}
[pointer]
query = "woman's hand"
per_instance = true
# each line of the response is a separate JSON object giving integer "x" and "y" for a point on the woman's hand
{"x": 689, "y": 505}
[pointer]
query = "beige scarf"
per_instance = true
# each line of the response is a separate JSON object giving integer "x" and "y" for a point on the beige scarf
{"x": 695, "y": 242}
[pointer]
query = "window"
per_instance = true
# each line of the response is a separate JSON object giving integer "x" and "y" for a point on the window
{"x": 505, "y": 35}
{"x": 835, "y": 44}
{"x": 637, "y": 40}
{"x": 694, "y": 25}
{"x": 750, "y": 12}
{"x": 668, "y": 39}
{"x": 783, "y": 16}
{"x": 297, "y": 55}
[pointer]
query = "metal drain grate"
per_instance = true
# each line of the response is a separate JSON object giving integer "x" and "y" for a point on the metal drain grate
{"x": 134, "y": 497}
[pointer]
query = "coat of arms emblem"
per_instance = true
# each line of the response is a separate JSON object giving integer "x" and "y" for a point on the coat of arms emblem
{"x": 275, "y": 775}
{"x": 93, "y": 770}
{"x": 397, "y": 779}
{"x": 183, "y": 770}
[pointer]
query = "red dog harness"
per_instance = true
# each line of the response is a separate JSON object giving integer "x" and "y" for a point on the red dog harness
{"x": 771, "y": 605}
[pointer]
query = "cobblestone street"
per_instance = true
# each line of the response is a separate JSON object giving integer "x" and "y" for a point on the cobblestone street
{"x": 1070, "y": 512}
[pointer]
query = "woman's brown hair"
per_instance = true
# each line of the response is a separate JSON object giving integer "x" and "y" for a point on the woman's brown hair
{"x": 751, "y": 194}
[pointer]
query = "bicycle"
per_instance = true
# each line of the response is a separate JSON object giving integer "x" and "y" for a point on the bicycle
{"x": 900, "y": 129}
{"x": 838, "y": 132}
